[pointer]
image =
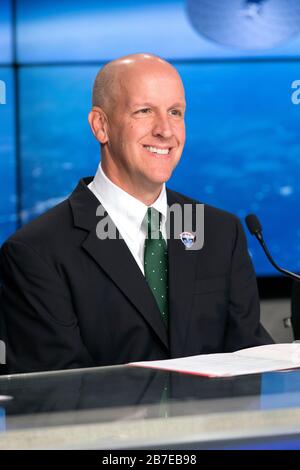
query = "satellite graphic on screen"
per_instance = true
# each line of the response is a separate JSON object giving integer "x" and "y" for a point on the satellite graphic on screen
{"x": 246, "y": 24}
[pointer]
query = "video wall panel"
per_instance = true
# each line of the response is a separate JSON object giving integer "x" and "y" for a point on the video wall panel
{"x": 6, "y": 34}
{"x": 57, "y": 145}
{"x": 8, "y": 194}
{"x": 98, "y": 30}
{"x": 243, "y": 149}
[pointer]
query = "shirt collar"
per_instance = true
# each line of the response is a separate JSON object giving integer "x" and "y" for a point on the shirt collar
{"x": 124, "y": 208}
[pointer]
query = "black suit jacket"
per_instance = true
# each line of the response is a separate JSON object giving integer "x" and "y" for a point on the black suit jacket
{"x": 71, "y": 300}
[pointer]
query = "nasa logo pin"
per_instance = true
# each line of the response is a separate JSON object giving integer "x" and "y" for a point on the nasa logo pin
{"x": 187, "y": 239}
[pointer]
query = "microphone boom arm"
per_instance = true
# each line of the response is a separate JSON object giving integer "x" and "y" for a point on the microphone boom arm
{"x": 255, "y": 229}
{"x": 283, "y": 271}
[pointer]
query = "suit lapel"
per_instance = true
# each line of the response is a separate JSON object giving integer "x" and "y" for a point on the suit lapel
{"x": 115, "y": 259}
{"x": 182, "y": 273}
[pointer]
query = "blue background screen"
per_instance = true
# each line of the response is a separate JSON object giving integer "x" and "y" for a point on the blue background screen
{"x": 243, "y": 130}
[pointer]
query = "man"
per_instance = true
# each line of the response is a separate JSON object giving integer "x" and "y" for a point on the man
{"x": 72, "y": 298}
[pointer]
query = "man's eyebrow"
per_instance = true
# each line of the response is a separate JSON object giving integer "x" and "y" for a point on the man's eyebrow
{"x": 178, "y": 104}
{"x": 142, "y": 104}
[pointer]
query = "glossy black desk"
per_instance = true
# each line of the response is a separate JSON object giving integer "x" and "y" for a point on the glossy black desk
{"x": 125, "y": 407}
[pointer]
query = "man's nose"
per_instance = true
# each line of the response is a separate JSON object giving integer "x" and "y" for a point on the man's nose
{"x": 162, "y": 127}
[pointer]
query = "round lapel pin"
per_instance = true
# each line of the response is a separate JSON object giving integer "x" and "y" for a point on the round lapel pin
{"x": 187, "y": 239}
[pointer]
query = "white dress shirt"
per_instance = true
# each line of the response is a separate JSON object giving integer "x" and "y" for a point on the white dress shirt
{"x": 128, "y": 213}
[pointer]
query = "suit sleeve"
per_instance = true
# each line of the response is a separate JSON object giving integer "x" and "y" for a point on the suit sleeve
{"x": 243, "y": 327}
{"x": 41, "y": 327}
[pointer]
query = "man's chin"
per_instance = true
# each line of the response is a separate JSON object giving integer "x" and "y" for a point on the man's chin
{"x": 159, "y": 178}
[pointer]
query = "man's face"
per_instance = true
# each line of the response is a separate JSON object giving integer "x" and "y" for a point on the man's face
{"x": 146, "y": 130}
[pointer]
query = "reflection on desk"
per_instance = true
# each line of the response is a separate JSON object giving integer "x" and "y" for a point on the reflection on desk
{"x": 126, "y": 407}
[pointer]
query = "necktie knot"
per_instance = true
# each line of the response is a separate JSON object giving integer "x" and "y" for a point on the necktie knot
{"x": 153, "y": 221}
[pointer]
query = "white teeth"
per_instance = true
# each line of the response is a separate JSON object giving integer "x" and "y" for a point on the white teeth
{"x": 156, "y": 150}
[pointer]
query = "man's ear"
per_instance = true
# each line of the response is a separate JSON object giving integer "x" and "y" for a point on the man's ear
{"x": 98, "y": 122}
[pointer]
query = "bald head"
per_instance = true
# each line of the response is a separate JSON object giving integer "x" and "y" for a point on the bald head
{"x": 138, "y": 118}
{"x": 115, "y": 74}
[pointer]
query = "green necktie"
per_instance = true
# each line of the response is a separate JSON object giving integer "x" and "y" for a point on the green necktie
{"x": 156, "y": 262}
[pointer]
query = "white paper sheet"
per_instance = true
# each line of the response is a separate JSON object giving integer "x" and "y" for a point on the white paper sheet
{"x": 266, "y": 358}
{"x": 5, "y": 397}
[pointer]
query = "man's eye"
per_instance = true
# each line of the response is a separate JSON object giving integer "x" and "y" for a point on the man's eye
{"x": 144, "y": 111}
{"x": 176, "y": 112}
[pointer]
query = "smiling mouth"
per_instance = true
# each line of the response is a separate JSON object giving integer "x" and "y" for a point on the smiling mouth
{"x": 157, "y": 150}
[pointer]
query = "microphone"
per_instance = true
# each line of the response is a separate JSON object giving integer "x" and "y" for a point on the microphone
{"x": 255, "y": 228}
